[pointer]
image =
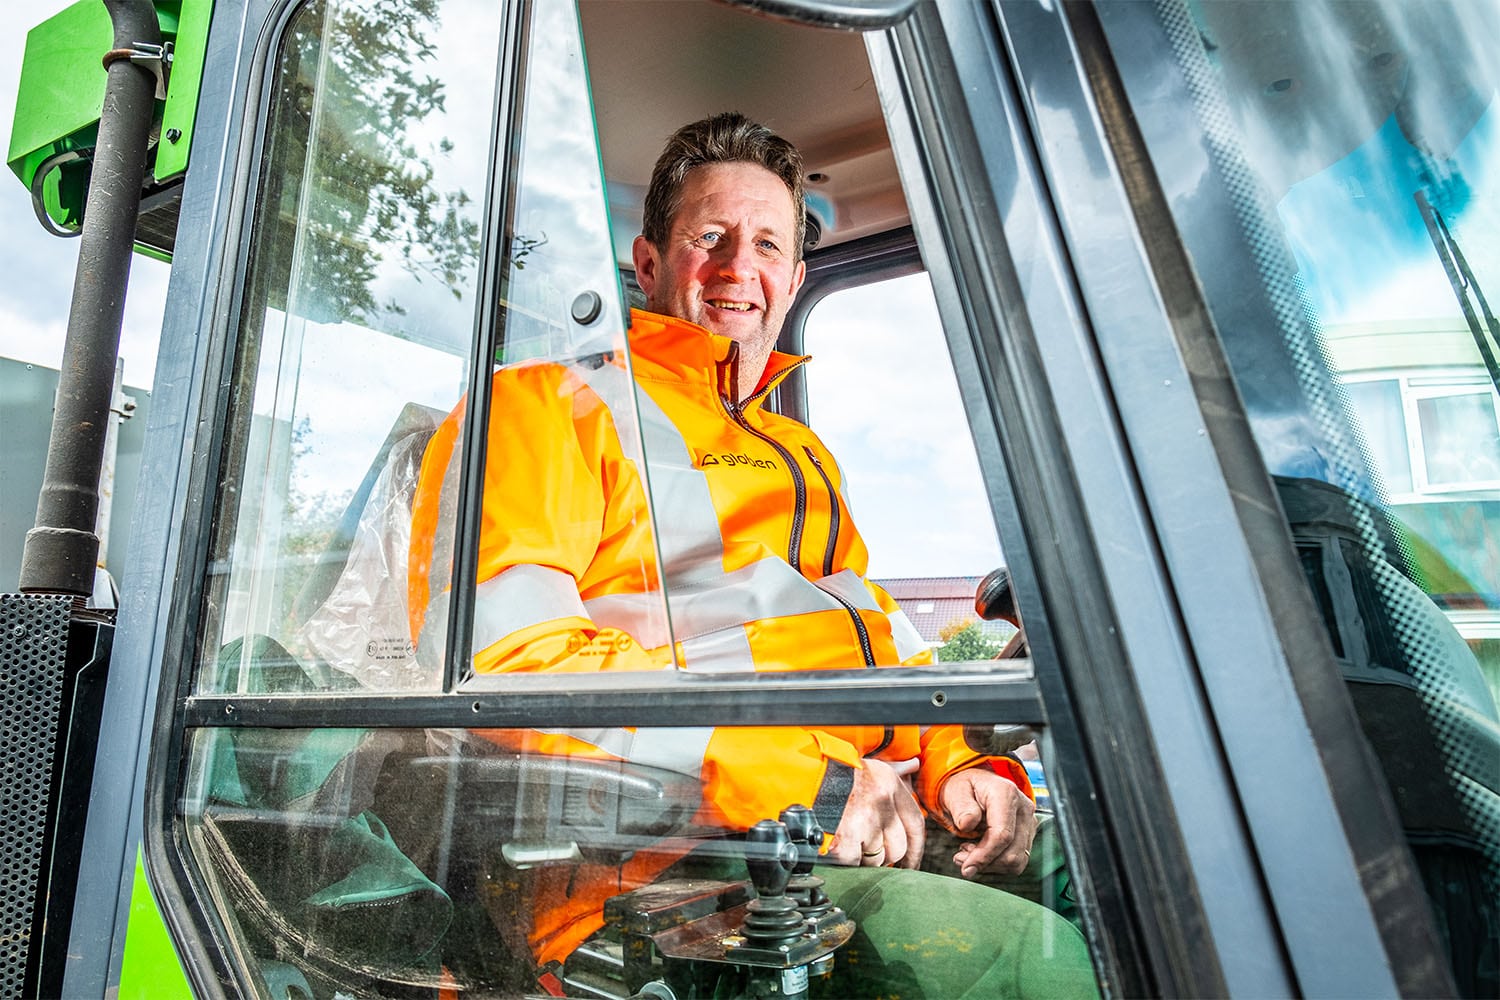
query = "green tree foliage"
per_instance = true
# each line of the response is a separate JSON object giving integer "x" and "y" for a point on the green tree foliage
{"x": 964, "y": 640}
{"x": 356, "y": 99}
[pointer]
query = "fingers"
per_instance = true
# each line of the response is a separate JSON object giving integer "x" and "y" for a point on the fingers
{"x": 1005, "y": 814}
{"x": 882, "y": 823}
{"x": 911, "y": 826}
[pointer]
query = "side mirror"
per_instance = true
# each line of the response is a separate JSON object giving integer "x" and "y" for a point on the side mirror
{"x": 994, "y": 600}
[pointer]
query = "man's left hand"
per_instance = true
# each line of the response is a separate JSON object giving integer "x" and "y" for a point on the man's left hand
{"x": 979, "y": 801}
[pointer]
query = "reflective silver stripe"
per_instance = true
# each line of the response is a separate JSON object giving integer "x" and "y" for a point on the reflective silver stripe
{"x": 725, "y": 651}
{"x": 694, "y": 548}
{"x": 851, "y": 587}
{"x": 908, "y": 640}
{"x": 679, "y": 750}
{"x": 770, "y": 588}
{"x": 522, "y": 596}
{"x": 642, "y": 615}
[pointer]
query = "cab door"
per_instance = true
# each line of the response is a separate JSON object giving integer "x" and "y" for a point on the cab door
{"x": 415, "y": 200}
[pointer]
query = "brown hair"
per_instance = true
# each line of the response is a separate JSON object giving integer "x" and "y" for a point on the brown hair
{"x": 728, "y": 137}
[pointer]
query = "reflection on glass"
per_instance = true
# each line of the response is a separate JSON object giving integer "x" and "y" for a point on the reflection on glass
{"x": 566, "y": 561}
{"x": 354, "y": 861}
{"x": 358, "y": 305}
{"x": 1460, "y": 439}
{"x": 1364, "y": 138}
{"x": 560, "y": 254}
{"x": 1378, "y": 404}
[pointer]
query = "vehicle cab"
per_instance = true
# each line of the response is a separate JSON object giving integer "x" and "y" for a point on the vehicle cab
{"x": 1175, "y": 311}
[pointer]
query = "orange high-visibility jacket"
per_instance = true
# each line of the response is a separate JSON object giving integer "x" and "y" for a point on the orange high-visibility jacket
{"x": 763, "y": 566}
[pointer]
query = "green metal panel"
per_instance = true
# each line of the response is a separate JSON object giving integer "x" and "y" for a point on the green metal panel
{"x": 182, "y": 88}
{"x": 58, "y": 100}
{"x": 61, "y": 92}
{"x": 151, "y": 969}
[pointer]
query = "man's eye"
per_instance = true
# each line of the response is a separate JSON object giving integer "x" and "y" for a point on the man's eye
{"x": 768, "y": 246}
{"x": 710, "y": 239}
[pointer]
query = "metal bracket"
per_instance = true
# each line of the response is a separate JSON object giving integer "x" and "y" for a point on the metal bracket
{"x": 156, "y": 58}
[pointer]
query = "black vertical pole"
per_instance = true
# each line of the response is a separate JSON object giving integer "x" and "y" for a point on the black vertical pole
{"x": 61, "y": 551}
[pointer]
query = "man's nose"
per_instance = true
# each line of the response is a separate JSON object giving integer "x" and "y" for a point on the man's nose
{"x": 736, "y": 260}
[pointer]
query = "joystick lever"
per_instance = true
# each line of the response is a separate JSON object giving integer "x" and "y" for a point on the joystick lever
{"x": 773, "y": 918}
{"x": 805, "y": 887}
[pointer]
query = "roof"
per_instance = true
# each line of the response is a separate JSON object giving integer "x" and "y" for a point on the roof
{"x": 933, "y": 587}
{"x": 935, "y": 602}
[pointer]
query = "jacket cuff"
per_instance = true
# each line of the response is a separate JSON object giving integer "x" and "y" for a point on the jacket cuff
{"x": 833, "y": 794}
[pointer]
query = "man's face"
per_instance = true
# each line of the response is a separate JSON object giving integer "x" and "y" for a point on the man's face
{"x": 729, "y": 262}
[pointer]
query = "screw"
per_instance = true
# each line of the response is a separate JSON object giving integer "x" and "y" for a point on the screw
{"x": 173, "y": 134}
{"x": 19, "y": 632}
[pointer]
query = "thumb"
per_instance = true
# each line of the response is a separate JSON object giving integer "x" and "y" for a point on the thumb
{"x": 965, "y": 814}
{"x": 966, "y": 817}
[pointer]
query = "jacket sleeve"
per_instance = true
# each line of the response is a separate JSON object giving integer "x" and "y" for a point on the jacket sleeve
{"x": 557, "y": 493}
{"x": 945, "y": 752}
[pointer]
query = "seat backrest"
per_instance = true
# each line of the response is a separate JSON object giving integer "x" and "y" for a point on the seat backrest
{"x": 352, "y": 611}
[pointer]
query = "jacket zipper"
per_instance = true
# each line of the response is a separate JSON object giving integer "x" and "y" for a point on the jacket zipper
{"x": 833, "y": 511}
{"x": 799, "y": 485}
{"x": 799, "y": 512}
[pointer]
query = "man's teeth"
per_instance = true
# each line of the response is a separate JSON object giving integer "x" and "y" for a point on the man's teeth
{"x": 732, "y": 306}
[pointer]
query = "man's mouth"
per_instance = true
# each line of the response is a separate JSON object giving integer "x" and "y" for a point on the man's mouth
{"x": 730, "y": 306}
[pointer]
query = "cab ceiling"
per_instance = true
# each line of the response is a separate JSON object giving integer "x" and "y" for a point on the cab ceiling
{"x": 656, "y": 65}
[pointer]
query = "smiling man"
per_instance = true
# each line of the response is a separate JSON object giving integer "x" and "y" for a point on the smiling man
{"x": 764, "y": 568}
{"x": 722, "y": 245}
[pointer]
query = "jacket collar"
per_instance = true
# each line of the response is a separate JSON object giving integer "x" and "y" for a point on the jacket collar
{"x": 668, "y": 347}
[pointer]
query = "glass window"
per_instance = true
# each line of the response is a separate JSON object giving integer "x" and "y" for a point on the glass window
{"x": 882, "y": 393}
{"x": 371, "y": 863}
{"x": 353, "y": 339}
{"x": 1356, "y": 148}
{"x": 334, "y": 540}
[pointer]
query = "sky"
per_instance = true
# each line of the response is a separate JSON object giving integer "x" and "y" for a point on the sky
{"x": 36, "y": 268}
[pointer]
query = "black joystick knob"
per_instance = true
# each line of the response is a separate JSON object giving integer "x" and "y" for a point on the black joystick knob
{"x": 805, "y": 887}
{"x": 995, "y": 599}
{"x": 806, "y": 832}
{"x": 773, "y": 919}
{"x": 771, "y": 857}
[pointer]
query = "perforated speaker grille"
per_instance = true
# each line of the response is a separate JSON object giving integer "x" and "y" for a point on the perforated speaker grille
{"x": 33, "y": 651}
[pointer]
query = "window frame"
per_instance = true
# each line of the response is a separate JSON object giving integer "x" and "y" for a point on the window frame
{"x": 1104, "y": 306}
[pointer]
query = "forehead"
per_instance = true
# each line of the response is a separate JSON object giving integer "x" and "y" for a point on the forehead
{"x": 744, "y": 193}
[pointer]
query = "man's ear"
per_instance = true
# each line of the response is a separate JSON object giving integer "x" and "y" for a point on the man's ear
{"x": 644, "y": 255}
{"x": 799, "y": 275}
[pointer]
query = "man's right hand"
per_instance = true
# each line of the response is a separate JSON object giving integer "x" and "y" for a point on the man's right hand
{"x": 882, "y": 823}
